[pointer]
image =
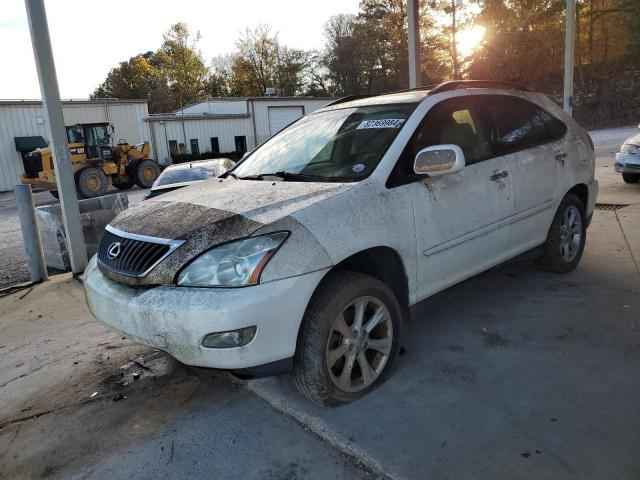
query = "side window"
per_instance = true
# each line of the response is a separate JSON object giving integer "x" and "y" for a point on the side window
{"x": 555, "y": 127}
{"x": 455, "y": 122}
{"x": 515, "y": 121}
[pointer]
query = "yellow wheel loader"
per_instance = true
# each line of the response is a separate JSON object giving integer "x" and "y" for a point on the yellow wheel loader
{"x": 95, "y": 162}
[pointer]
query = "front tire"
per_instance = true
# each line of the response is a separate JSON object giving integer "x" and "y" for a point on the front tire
{"x": 566, "y": 238}
{"x": 91, "y": 182}
{"x": 146, "y": 172}
{"x": 349, "y": 339}
{"x": 631, "y": 177}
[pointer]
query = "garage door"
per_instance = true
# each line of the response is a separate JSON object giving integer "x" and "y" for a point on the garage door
{"x": 280, "y": 117}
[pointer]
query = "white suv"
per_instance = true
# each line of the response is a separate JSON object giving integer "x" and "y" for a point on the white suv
{"x": 310, "y": 253}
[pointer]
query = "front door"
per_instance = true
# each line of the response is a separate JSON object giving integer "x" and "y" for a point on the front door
{"x": 462, "y": 219}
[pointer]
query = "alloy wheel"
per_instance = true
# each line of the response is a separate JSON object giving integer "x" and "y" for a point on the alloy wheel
{"x": 570, "y": 234}
{"x": 359, "y": 344}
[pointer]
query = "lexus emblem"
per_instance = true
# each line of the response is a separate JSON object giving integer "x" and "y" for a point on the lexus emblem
{"x": 114, "y": 250}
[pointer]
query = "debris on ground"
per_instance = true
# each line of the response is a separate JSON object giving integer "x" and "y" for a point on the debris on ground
{"x": 93, "y": 394}
{"x": 119, "y": 397}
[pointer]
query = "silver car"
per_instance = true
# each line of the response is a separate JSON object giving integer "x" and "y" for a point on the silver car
{"x": 628, "y": 160}
{"x": 184, "y": 174}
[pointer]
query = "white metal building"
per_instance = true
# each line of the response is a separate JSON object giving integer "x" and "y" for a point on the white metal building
{"x": 25, "y": 118}
{"x": 226, "y": 124}
{"x": 218, "y": 125}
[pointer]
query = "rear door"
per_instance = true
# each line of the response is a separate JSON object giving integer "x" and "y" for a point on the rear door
{"x": 535, "y": 161}
{"x": 461, "y": 218}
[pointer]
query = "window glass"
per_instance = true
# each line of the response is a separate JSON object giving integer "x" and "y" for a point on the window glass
{"x": 193, "y": 171}
{"x": 75, "y": 135}
{"x": 342, "y": 143}
{"x": 555, "y": 127}
{"x": 453, "y": 122}
{"x": 97, "y": 135}
{"x": 514, "y": 122}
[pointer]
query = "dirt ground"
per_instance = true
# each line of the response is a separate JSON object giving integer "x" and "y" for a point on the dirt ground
{"x": 79, "y": 401}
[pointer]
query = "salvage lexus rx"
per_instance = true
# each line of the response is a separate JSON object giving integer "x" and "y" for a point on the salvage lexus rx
{"x": 310, "y": 253}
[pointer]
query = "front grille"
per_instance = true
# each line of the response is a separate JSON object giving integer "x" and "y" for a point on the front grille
{"x": 132, "y": 255}
{"x": 632, "y": 166}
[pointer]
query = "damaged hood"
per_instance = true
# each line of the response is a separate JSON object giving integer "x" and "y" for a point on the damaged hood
{"x": 214, "y": 212}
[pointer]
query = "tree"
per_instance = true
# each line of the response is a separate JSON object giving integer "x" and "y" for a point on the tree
{"x": 138, "y": 77}
{"x": 261, "y": 61}
{"x": 367, "y": 53}
{"x": 182, "y": 67}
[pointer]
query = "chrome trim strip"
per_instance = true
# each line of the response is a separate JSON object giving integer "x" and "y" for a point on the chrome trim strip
{"x": 487, "y": 229}
{"x": 173, "y": 244}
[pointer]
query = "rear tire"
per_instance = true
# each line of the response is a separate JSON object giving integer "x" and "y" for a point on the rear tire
{"x": 566, "y": 238}
{"x": 146, "y": 172}
{"x": 631, "y": 177}
{"x": 339, "y": 359}
{"x": 91, "y": 182}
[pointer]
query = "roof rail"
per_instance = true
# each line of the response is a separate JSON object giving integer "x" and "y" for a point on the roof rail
{"x": 348, "y": 98}
{"x": 455, "y": 84}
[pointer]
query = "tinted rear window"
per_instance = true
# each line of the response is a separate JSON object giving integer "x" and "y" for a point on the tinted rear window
{"x": 521, "y": 124}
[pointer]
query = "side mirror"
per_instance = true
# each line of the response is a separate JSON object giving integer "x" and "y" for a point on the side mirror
{"x": 439, "y": 160}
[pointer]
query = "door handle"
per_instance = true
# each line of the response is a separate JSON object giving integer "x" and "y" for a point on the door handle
{"x": 498, "y": 175}
{"x": 560, "y": 156}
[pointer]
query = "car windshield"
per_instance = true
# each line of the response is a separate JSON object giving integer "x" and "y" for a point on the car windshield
{"x": 343, "y": 144}
{"x": 192, "y": 172}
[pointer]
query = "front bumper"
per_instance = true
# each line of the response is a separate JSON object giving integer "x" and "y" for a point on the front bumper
{"x": 176, "y": 319}
{"x": 627, "y": 163}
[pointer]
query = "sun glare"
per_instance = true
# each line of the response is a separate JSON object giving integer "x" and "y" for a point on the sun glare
{"x": 469, "y": 40}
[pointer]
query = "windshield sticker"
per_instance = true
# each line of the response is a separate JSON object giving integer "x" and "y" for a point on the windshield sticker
{"x": 383, "y": 123}
{"x": 358, "y": 167}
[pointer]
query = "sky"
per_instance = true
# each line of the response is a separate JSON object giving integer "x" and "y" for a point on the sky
{"x": 90, "y": 37}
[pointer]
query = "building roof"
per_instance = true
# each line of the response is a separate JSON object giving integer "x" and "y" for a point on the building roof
{"x": 173, "y": 117}
{"x": 255, "y": 99}
{"x": 78, "y": 101}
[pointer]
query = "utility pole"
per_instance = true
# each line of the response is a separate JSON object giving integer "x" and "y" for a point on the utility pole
{"x": 569, "y": 41}
{"x": 53, "y": 111}
{"x": 413, "y": 16}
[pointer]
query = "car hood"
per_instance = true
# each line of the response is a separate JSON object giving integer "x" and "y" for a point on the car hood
{"x": 213, "y": 212}
{"x": 635, "y": 140}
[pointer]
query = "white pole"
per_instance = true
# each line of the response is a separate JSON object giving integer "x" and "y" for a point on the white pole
{"x": 53, "y": 109}
{"x": 413, "y": 15}
{"x": 569, "y": 42}
{"x": 30, "y": 233}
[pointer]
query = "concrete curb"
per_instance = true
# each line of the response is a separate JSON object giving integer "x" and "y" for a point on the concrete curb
{"x": 322, "y": 430}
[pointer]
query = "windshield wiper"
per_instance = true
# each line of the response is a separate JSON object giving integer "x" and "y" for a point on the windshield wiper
{"x": 303, "y": 177}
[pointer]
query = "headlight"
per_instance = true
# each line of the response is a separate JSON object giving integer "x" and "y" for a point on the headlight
{"x": 629, "y": 148}
{"x": 233, "y": 264}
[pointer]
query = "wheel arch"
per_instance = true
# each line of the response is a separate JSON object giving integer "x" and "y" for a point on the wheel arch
{"x": 383, "y": 263}
{"x": 582, "y": 192}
